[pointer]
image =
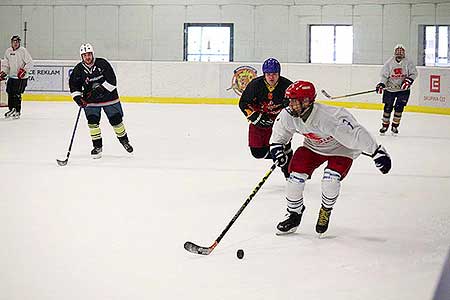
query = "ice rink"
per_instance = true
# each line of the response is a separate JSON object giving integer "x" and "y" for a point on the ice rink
{"x": 114, "y": 228}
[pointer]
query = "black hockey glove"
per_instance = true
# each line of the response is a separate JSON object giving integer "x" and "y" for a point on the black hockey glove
{"x": 382, "y": 160}
{"x": 380, "y": 87}
{"x": 260, "y": 119}
{"x": 97, "y": 92}
{"x": 407, "y": 82}
{"x": 80, "y": 101}
{"x": 278, "y": 155}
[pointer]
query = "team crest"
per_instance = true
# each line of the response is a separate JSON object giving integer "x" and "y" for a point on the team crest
{"x": 241, "y": 77}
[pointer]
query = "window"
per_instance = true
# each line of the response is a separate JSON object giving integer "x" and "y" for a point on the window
{"x": 436, "y": 45}
{"x": 210, "y": 42}
{"x": 331, "y": 44}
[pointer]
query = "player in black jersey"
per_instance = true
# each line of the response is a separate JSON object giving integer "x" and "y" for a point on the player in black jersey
{"x": 93, "y": 87}
{"x": 261, "y": 102}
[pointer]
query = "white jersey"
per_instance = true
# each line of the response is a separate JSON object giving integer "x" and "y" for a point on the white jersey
{"x": 15, "y": 60}
{"x": 393, "y": 73}
{"x": 329, "y": 130}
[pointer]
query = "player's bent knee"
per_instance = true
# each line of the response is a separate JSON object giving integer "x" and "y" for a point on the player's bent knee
{"x": 262, "y": 152}
{"x": 93, "y": 119}
{"x": 296, "y": 185}
{"x": 115, "y": 119}
{"x": 331, "y": 183}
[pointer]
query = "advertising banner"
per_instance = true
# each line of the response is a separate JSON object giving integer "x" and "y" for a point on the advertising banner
{"x": 49, "y": 78}
{"x": 435, "y": 87}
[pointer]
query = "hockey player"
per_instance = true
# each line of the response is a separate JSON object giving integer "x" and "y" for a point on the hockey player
{"x": 331, "y": 135}
{"x": 16, "y": 66}
{"x": 397, "y": 76}
{"x": 261, "y": 102}
{"x": 93, "y": 87}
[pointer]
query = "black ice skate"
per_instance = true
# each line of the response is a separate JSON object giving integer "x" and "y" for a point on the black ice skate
{"x": 15, "y": 115}
{"x": 96, "y": 152}
{"x": 394, "y": 130}
{"x": 323, "y": 220}
{"x": 384, "y": 129}
{"x": 291, "y": 223}
{"x": 127, "y": 146}
{"x": 9, "y": 113}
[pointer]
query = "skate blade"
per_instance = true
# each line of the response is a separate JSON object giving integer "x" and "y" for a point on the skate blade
{"x": 293, "y": 230}
{"x": 97, "y": 156}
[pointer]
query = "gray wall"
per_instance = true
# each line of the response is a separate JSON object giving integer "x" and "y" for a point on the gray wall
{"x": 153, "y": 30}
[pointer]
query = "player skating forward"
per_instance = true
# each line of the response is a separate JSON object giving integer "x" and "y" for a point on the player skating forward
{"x": 93, "y": 87}
{"x": 16, "y": 66}
{"x": 397, "y": 76}
{"x": 331, "y": 135}
{"x": 261, "y": 102}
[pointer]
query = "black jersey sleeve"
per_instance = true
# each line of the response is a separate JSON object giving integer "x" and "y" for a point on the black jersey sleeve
{"x": 76, "y": 81}
{"x": 108, "y": 72}
{"x": 247, "y": 98}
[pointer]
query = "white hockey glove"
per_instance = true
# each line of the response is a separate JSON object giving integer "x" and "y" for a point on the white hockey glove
{"x": 382, "y": 160}
{"x": 278, "y": 155}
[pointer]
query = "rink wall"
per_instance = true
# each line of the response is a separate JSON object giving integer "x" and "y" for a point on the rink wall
{"x": 220, "y": 83}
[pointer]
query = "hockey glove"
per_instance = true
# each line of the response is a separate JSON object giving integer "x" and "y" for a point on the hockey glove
{"x": 382, "y": 159}
{"x": 21, "y": 73}
{"x": 278, "y": 155}
{"x": 380, "y": 87}
{"x": 407, "y": 82}
{"x": 97, "y": 92}
{"x": 80, "y": 101}
{"x": 2, "y": 75}
{"x": 260, "y": 119}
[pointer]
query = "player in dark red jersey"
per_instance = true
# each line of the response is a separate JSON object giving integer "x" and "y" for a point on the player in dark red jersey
{"x": 93, "y": 87}
{"x": 261, "y": 102}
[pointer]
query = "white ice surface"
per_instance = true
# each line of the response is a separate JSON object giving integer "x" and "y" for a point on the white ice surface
{"x": 114, "y": 228}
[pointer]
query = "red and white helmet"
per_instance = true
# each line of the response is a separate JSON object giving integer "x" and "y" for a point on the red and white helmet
{"x": 86, "y": 48}
{"x": 301, "y": 90}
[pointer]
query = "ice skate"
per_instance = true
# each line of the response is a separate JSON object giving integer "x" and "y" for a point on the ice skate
{"x": 15, "y": 115}
{"x": 394, "y": 130}
{"x": 291, "y": 223}
{"x": 127, "y": 146}
{"x": 323, "y": 220}
{"x": 9, "y": 113}
{"x": 96, "y": 153}
{"x": 383, "y": 129}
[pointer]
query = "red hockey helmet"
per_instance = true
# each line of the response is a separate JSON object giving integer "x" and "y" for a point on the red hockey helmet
{"x": 301, "y": 90}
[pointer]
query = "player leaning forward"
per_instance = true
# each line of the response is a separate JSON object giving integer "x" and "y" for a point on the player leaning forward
{"x": 331, "y": 135}
{"x": 93, "y": 87}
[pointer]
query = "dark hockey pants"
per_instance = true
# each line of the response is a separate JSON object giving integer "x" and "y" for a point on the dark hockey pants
{"x": 15, "y": 88}
{"x": 394, "y": 101}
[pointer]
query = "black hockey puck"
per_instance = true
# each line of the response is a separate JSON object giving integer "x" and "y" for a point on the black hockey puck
{"x": 240, "y": 253}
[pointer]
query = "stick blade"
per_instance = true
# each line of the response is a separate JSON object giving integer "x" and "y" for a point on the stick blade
{"x": 326, "y": 94}
{"x": 62, "y": 162}
{"x": 193, "y": 248}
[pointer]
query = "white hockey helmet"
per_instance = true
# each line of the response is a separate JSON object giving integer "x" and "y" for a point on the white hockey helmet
{"x": 399, "y": 50}
{"x": 86, "y": 48}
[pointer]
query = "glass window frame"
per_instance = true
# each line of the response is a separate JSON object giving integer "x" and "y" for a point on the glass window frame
{"x": 186, "y": 38}
{"x": 310, "y": 27}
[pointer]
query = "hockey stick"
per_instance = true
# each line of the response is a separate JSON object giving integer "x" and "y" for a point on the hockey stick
{"x": 345, "y": 96}
{"x": 193, "y": 248}
{"x": 64, "y": 162}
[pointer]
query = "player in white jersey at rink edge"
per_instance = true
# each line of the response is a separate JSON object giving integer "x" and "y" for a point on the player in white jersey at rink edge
{"x": 15, "y": 68}
{"x": 397, "y": 76}
{"x": 331, "y": 135}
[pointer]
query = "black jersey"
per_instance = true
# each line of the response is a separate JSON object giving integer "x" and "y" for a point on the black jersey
{"x": 100, "y": 76}
{"x": 258, "y": 97}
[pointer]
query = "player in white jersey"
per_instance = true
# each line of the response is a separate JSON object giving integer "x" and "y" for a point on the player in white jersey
{"x": 397, "y": 76}
{"x": 18, "y": 63}
{"x": 331, "y": 135}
